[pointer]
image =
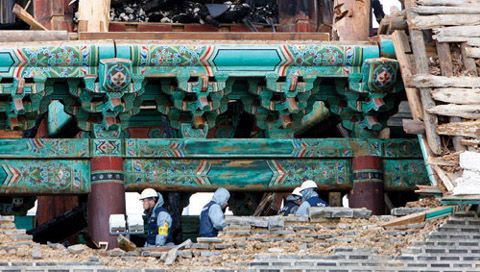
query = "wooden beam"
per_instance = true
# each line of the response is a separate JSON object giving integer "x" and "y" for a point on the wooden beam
{"x": 429, "y": 81}
{"x": 420, "y": 217}
{"x": 402, "y": 48}
{"x": 469, "y": 128}
{"x": 413, "y": 126}
{"x": 33, "y": 36}
{"x": 471, "y": 9}
{"x": 456, "y": 33}
{"x": 463, "y": 96}
{"x": 468, "y": 61}
{"x": 351, "y": 21}
{"x": 278, "y": 36}
{"x": 27, "y": 18}
{"x": 93, "y": 15}
{"x": 447, "y": 2}
{"x": 428, "y": 22}
{"x": 444, "y": 178}
{"x": 464, "y": 111}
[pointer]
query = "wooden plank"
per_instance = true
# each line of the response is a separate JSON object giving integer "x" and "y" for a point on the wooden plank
{"x": 464, "y": 111}
{"x": 473, "y": 42}
{"x": 10, "y": 134}
{"x": 446, "y": 66}
{"x": 447, "y": 2}
{"x": 461, "y": 96}
{"x": 472, "y": 52}
{"x": 267, "y": 36}
{"x": 413, "y": 126}
{"x": 420, "y": 217}
{"x": 440, "y": 161}
{"x": 430, "y": 81}
{"x": 445, "y": 58}
{"x": 413, "y": 218}
{"x": 444, "y": 178}
{"x": 427, "y": 22}
{"x": 27, "y": 18}
{"x": 430, "y": 120}
{"x": 33, "y": 36}
{"x": 468, "y": 62}
{"x": 470, "y": 9}
{"x": 402, "y": 47}
{"x": 456, "y": 33}
{"x": 471, "y": 142}
{"x": 469, "y": 128}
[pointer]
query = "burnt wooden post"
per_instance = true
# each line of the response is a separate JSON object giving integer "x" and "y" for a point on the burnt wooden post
{"x": 298, "y": 16}
{"x": 368, "y": 184}
{"x": 107, "y": 194}
{"x": 351, "y": 20}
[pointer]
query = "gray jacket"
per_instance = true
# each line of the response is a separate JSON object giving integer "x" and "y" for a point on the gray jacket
{"x": 306, "y": 195}
{"x": 215, "y": 213}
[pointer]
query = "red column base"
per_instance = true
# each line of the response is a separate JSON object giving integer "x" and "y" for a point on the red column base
{"x": 107, "y": 196}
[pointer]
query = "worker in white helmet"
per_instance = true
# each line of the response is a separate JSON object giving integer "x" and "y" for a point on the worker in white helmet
{"x": 159, "y": 219}
{"x": 293, "y": 201}
{"x": 310, "y": 198}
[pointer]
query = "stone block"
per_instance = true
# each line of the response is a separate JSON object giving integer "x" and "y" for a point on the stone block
{"x": 209, "y": 253}
{"x": 259, "y": 239}
{"x": 259, "y": 222}
{"x": 21, "y": 237}
{"x": 56, "y": 245}
{"x": 283, "y": 232}
{"x": 240, "y": 245}
{"x": 222, "y": 246}
{"x": 362, "y": 213}
{"x": 93, "y": 259}
{"x": 276, "y": 223}
{"x": 36, "y": 255}
{"x": 116, "y": 252}
{"x": 296, "y": 219}
{"x": 199, "y": 246}
{"x": 171, "y": 256}
{"x": 186, "y": 254}
{"x": 76, "y": 249}
{"x": 405, "y": 211}
{"x": 238, "y": 233}
{"x": 15, "y": 231}
{"x": 24, "y": 243}
{"x": 7, "y": 218}
{"x": 209, "y": 240}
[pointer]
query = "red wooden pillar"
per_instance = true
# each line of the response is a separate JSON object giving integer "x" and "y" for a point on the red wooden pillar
{"x": 368, "y": 184}
{"x": 107, "y": 196}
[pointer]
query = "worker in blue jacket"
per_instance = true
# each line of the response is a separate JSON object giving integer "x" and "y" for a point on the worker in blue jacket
{"x": 159, "y": 219}
{"x": 310, "y": 198}
{"x": 212, "y": 219}
{"x": 293, "y": 201}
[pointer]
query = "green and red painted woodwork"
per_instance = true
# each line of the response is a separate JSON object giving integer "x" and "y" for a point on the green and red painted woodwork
{"x": 203, "y": 164}
{"x": 109, "y": 82}
{"x": 368, "y": 184}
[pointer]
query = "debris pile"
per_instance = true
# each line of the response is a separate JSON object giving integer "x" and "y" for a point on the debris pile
{"x": 185, "y": 12}
{"x": 323, "y": 232}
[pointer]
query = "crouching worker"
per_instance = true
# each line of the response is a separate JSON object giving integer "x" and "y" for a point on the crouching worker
{"x": 159, "y": 219}
{"x": 293, "y": 202}
{"x": 310, "y": 198}
{"x": 212, "y": 218}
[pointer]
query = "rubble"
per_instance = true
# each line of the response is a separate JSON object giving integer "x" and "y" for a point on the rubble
{"x": 185, "y": 12}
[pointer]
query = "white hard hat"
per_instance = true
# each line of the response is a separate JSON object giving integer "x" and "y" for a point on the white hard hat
{"x": 296, "y": 192}
{"x": 147, "y": 193}
{"x": 308, "y": 184}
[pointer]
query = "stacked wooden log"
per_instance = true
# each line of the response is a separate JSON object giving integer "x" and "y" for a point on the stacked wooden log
{"x": 440, "y": 71}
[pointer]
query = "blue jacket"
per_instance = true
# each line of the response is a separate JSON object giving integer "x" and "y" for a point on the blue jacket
{"x": 212, "y": 218}
{"x": 159, "y": 226}
{"x": 291, "y": 206}
{"x": 310, "y": 199}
